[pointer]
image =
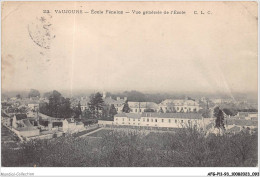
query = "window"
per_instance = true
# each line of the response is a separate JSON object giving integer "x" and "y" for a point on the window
{"x": 133, "y": 119}
{"x": 155, "y": 120}
{"x": 140, "y": 110}
{"x": 162, "y": 120}
{"x": 135, "y": 110}
{"x": 169, "y": 120}
{"x": 177, "y": 108}
{"x": 176, "y": 121}
{"x": 138, "y": 119}
{"x": 129, "y": 119}
{"x": 188, "y": 121}
{"x": 116, "y": 119}
{"x": 151, "y": 120}
{"x": 181, "y": 121}
{"x": 123, "y": 119}
{"x": 147, "y": 120}
{"x": 143, "y": 119}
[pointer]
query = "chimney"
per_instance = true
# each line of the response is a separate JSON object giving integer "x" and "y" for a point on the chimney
{"x": 117, "y": 98}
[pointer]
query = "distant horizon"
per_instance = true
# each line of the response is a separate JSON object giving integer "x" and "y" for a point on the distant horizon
{"x": 76, "y": 93}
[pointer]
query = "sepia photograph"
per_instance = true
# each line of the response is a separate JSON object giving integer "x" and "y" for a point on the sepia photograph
{"x": 129, "y": 84}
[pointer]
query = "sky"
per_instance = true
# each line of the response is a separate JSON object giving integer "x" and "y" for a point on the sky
{"x": 150, "y": 53}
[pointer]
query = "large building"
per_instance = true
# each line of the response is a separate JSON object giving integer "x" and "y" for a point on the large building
{"x": 140, "y": 107}
{"x": 183, "y": 105}
{"x": 170, "y": 120}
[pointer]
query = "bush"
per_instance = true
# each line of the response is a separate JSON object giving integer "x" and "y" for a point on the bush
{"x": 134, "y": 148}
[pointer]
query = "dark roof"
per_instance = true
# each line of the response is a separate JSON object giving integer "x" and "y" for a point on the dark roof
{"x": 20, "y": 116}
{"x": 162, "y": 115}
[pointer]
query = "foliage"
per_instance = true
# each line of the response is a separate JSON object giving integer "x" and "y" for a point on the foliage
{"x": 112, "y": 112}
{"x": 186, "y": 147}
{"x": 34, "y": 93}
{"x": 218, "y": 113}
{"x": 126, "y": 107}
{"x": 58, "y": 106}
{"x": 95, "y": 105}
{"x": 77, "y": 111}
{"x": 18, "y": 96}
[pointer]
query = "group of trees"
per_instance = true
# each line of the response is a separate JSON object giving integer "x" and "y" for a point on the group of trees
{"x": 97, "y": 109}
{"x": 184, "y": 148}
{"x": 58, "y": 106}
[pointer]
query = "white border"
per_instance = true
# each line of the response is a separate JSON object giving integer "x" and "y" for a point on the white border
{"x": 129, "y": 171}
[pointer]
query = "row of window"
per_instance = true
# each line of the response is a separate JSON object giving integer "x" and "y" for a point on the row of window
{"x": 179, "y": 108}
{"x": 153, "y": 120}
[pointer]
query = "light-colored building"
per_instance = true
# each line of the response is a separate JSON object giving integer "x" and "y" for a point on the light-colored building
{"x": 118, "y": 103}
{"x": 140, "y": 107}
{"x": 183, "y": 105}
{"x": 161, "y": 120}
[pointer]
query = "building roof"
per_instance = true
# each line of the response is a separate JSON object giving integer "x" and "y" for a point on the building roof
{"x": 128, "y": 115}
{"x": 174, "y": 115}
{"x": 241, "y": 122}
{"x": 150, "y": 105}
{"x": 162, "y": 115}
{"x": 26, "y": 128}
{"x": 172, "y": 102}
{"x": 20, "y": 116}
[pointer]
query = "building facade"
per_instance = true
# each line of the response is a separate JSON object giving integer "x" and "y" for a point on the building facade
{"x": 161, "y": 120}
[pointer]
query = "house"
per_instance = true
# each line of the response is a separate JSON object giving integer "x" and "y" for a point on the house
{"x": 140, "y": 107}
{"x": 118, "y": 103}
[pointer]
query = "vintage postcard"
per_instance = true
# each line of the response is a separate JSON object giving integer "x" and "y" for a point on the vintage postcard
{"x": 129, "y": 84}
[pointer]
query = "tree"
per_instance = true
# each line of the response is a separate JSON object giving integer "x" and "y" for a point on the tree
{"x": 112, "y": 112}
{"x": 18, "y": 96}
{"x": 58, "y": 106}
{"x": 34, "y": 93}
{"x": 47, "y": 94}
{"x": 218, "y": 113}
{"x": 96, "y": 104}
{"x": 126, "y": 108}
{"x": 78, "y": 111}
